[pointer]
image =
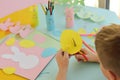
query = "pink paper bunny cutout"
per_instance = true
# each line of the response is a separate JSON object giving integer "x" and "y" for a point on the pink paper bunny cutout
{"x": 16, "y": 28}
{"x": 5, "y": 26}
{"x": 25, "y": 31}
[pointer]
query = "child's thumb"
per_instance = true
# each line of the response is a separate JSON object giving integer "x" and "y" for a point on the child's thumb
{"x": 66, "y": 55}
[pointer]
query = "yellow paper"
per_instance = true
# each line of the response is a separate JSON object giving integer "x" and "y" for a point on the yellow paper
{"x": 26, "y": 43}
{"x": 82, "y": 31}
{"x": 4, "y": 76}
{"x": 26, "y": 16}
{"x": 71, "y": 41}
{"x": 10, "y": 42}
{"x": 9, "y": 70}
{"x": 3, "y": 34}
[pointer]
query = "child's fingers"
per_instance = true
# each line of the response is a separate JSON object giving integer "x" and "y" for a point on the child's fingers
{"x": 79, "y": 57}
{"x": 59, "y": 53}
{"x": 85, "y": 51}
{"x": 66, "y": 55}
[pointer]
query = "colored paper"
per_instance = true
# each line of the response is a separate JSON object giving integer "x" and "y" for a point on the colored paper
{"x": 6, "y": 24}
{"x": 56, "y": 33}
{"x": 25, "y": 16}
{"x": 9, "y": 6}
{"x": 49, "y": 52}
{"x": 28, "y": 62}
{"x": 5, "y": 76}
{"x": 16, "y": 28}
{"x": 26, "y": 43}
{"x": 22, "y": 58}
{"x": 39, "y": 39}
{"x": 9, "y": 70}
{"x": 71, "y": 41}
{"x": 25, "y": 31}
{"x": 3, "y": 34}
{"x": 10, "y": 42}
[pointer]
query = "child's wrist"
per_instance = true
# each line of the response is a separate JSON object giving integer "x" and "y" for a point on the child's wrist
{"x": 63, "y": 72}
{"x": 61, "y": 75}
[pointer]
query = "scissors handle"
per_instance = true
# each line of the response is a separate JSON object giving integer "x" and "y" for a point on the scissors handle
{"x": 84, "y": 56}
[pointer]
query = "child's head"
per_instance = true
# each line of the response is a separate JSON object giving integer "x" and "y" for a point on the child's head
{"x": 108, "y": 48}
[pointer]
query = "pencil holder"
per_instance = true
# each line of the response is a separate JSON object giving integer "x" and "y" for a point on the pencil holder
{"x": 69, "y": 12}
{"x": 50, "y": 21}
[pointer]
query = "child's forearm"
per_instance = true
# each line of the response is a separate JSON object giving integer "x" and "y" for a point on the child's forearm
{"x": 61, "y": 75}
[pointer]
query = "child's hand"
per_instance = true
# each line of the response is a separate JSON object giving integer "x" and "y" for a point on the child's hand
{"x": 92, "y": 57}
{"x": 62, "y": 59}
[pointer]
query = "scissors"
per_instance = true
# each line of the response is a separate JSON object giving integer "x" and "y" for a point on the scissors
{"x": 72, "y": 42}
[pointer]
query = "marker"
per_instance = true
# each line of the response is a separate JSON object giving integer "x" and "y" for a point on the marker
{"x": 46, "y": 10}
{"x": 87, "y": 34}
{"x": 52, "y": 5}
{"x": 49, "y": 4}
{"x": 50, "y": 10}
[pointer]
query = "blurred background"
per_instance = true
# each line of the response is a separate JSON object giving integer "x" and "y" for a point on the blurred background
{"x": 112, "y": 5}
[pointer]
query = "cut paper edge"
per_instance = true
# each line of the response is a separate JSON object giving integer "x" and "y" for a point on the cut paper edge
{"x": 26, "y": 43}
{"x": 10, "y": 42}
{"x": 9, "y": 70}
{"x": 71, "y": 41}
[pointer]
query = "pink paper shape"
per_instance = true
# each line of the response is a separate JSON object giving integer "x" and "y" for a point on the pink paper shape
{"x": 9, "y": 6}
{"x": 5, "y": 26}
{"x": 28, "y": 73}
{"x": 25, "y": 31}
{"x": 39, "y": 38}
{"x": 15, "y": 28}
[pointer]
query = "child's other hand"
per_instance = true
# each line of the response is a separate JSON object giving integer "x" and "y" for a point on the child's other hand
{"x": 92, "y": 57}
{"x": 62, "y": 59}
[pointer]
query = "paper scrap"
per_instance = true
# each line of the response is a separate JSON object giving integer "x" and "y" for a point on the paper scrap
{"x": 26, "y": 43}
{"x": 10, "y": 42}
{"x": 9, "y": 70}
{"x": 49, "y": 52}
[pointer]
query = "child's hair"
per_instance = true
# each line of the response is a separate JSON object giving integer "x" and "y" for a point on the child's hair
{"x": 108, "y": 47}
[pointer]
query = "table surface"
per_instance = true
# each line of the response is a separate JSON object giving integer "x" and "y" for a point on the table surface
{"x": 77, "y": 71}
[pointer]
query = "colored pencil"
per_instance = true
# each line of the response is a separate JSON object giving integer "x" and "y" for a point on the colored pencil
{"x": 43, "y": 8}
